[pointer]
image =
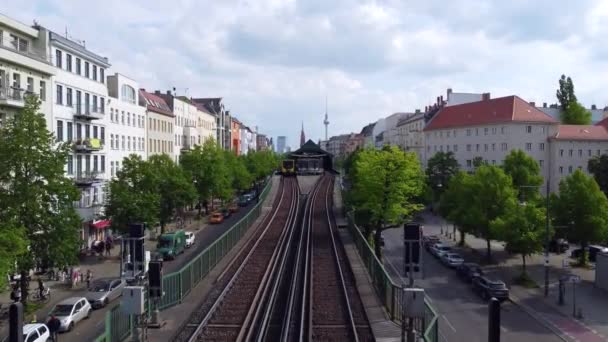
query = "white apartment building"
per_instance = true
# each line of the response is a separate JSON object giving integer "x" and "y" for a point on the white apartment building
{"x": 79, "y": 116}
{"x": 24, "y": 68}
{"x": 248, "y": 140}
{"x": 409, "y": 134}
{"x": 491, "y": 129}
{"x": 127, "y": 121}
{"x": 206, "y": 124}
{"x": 391, "y": 133}
{"x": 160, "y": 125}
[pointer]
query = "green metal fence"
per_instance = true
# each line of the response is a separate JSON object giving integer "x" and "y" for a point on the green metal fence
{"x": 178, "y": 284}
{"x": 389, "y": 292}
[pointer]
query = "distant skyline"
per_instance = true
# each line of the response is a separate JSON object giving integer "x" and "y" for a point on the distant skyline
{"x": 274, "y": 61}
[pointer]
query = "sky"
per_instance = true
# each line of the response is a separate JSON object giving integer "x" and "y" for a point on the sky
{"x": 274, "y": 62}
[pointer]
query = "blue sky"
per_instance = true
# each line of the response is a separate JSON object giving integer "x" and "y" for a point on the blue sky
{"x": 275, "y": 61}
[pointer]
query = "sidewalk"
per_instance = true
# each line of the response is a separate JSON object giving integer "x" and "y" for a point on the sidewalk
{"x": 593, "y": 302}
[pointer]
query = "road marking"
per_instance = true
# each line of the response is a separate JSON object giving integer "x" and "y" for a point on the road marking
{"x": 449, "y": 324}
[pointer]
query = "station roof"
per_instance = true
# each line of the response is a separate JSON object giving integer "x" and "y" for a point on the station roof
{"x": 309, "y": 149}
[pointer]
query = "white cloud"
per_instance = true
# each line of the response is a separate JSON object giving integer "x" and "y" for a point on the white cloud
{"x": 274, "y": 61}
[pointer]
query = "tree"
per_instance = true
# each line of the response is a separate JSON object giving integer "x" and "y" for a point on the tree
{"x": 133, "y": 196}
{"x": 478, "y": 161}
{"x": 13, "y": 244}
{"x": 525, "y": 175}
{"x": 598, "y": 167}
{"x": 582, "y": 208}
{"x": 174, "y": 187}
{"x": 35, "y": 195}
{"x": 454, "y": 203}
{"x": 441, "y": 167}
{"x": 240, "y": 178}
{"x": 384, "y": 185}
{"x": 522, "y": 227}
{"x": 491, "y": 195}
{"x": 572, "y": 112}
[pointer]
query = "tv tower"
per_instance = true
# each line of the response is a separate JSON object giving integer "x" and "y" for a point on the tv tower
{"x": 326, "y": 121}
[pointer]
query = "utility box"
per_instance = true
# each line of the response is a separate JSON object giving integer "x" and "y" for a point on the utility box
{"x": 413, "y": 302}
{"x": 133, "y": 300}
{"x": 601, "y": 271}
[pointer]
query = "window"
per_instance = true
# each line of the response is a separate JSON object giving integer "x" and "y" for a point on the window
{"x": 502, "y": 130}
{"x": 43, "y": 90}
{"x": 561, "y": 153}
{"x": 493, "y": 162}
{"x": 102, "y": 163}
{"x": 79, "y": 163}
{"x": 468, "y": 132}
{"x": 129, "y": 143}
{"x": 112, "y": 168}
{"x": 58, "y": 59}
{"x": 447, "y": 148}
{"x": 455, "y": 148}
{"x": 102, "y": 75}
{"x": 468, "y": 147}
{"x": 493, "y": 130}
{"x": 503, "y": 146}
{"x": 19, "y": 43}
{"x": 87, "y": 102}
{"x": 78, "y": 66}
{"x": 493, "y": 147}
{"x": 94, "y": 72}
{"x": 528, "y": 146}
{"x": 78, "y": 101}
{"x": 589, "y": 153}
{"x": 541, "y": 163}
{"x": 95, "y": 109}
{"x": 59, "y": 130}
{"x": 68, "y": 62}
{"x": 128, "y": 119}
{"x": 570, "y": 153}
{"x": 598, "y": 152}
{"x": 448, "y": 134}
{"x": 16, "y": 80}
{"x": 112, "y": 141}
{"x": 59, "y": 94}
{"x": 78, "y": 131}
{"x": 95, "y": 164}
{"x": 68, "y": 96}
{"x": 477, "y": 148}
{"x": 440, "y": 133}
{"x": 469, "y": 163}
{"x": 454, "y": 133}
{"x": 95, "y": 129}
{"x": 87, "y": 131}
{"x": 485, "y": 147}
{"x": 30, "y": 85}
{"x": 541, "y": 146}
{"x": 87, "y": 163}
{"x": 580, "y": 153}
{"x": 102, "y": 135}
{"x": 102, "y": 105}
{"x": 70, "y": 133}
{"x": 123, "y": 142}
{"x": 542, "y": 129}
{"x": 528, "y": 129}
{"x": 122, "y": 117}
{"x": 86, "y": 69}
{"x": 570, "y": 169}
{"x": 477, "y": 131}
{"x": 70, "y": 164}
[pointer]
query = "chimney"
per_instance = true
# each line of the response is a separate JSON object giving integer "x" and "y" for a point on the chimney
{"x": 532, "y": 103}
{"x": 593, "y": 107}
{"x": 485, "y": 96}
{"x": 441, "y": 98}
{"x": 426, "y": 109}
{"x": 157, "y": 92}
{"x": 449, "y": 93}
{"x": 544, "y": 104}
{"x": 169, "y": 92}
{"x": 417, "y": 111}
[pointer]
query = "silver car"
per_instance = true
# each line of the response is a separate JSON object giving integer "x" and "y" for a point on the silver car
{"x": 71, "y": 311}
{"x": 104, "y": 290}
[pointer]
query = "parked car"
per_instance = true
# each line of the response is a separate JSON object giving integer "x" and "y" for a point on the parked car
{"x": 225, "y": 212}
{"x": 559, "y": 246}
{"x": 452, "y": 259}
{"x": 71, "y": 311}
{"x": 439, "y": 249}
{"x": 233, "y": 207}
{"x": 469, "y": 270}
{"x": 36, "y": 332}
{"x": 488, "y": 288}
{"x": 104, "y": 290}
{"x": 189, "y": 239}
{"x": 592, "y": 251}
{"x": 171, "y": 244}
{"x": 244, "y": 200}
{"x": 429, "y": 241}
{"x": 216, "y": 217}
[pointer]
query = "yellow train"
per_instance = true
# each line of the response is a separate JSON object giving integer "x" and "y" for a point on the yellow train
{"x": 288, "y": 167}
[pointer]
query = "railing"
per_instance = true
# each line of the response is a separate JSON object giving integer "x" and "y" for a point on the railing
{"x": 177, "y": 285}
{"x": 86, "y": 177}
{"x": 390, "y": 293}
{"x": 88, "y": 145}
{"x": 88, "y": 112}
{"x": 10, "y": 93}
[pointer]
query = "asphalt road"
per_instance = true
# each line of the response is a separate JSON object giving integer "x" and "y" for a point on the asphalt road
{"x": 462, "y": 314}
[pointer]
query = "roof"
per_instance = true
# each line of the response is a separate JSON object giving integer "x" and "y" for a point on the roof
{"x": 156, "y": 103}
{"x": 27, "y": 328}
{"x": 603, "y": 123}
{"x": 309, "y": 147}
{"x": 367, "y": 130}
{"x": 503, "y": 109}
{"x": 410, "y": 118}
{"x": 77, "y": 48}
{"x": 581, "y": 132}
{"x": 201, "y": 107}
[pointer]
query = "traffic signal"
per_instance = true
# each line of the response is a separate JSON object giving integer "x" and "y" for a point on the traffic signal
{"x": 155, "y": 278}
{"x": 412, "y": 234}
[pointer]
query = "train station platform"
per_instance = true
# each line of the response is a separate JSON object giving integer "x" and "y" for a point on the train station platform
{"x": 383, "y": 328}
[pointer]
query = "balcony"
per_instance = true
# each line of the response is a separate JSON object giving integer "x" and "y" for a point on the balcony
{"x": 87, "y": 178}
{"x": 88, "y": 113}
{"x": 88, "y": 145}
{"x": 12, "y": 97}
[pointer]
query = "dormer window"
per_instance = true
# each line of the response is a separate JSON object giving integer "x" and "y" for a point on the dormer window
{"x": 127, "y": 93}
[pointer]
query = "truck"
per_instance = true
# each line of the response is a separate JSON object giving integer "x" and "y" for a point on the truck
{"x": 171, "y": 244}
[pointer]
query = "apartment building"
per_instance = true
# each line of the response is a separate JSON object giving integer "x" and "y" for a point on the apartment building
{"x": 391, "y": 132}
{"x": 24, "y": 68}
{"x": 127, "y": 121}
{"x": 410, "y": 135}
{"x": 368, "y": 135}
{"x": 160, "y": 125}
{"x": 235, "y": 134}
{"x": 205, "y": 124}
{"x": 281, "y": 143}
{"x": 262, "y": 142}
{"x": 215, "y": 106}
{"x": 248, "y": 140}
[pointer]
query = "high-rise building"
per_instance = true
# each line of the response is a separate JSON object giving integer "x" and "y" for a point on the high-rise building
{"x": 281, "y": 143}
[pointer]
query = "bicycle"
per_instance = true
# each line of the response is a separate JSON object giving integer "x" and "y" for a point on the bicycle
{"x": 46, "y": 295}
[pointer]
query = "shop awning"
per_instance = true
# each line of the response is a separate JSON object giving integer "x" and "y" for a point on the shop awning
{"x": 101, "y": 224}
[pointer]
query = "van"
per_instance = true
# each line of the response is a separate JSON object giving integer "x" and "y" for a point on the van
{"x": 171, "y": 244}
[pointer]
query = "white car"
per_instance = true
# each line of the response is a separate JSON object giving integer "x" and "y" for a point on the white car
{"x": 452, "y": 259}
{"x": 189, "y": 239}
{"x": 440, "y": 249}
{"x": 36, "y": 332}
{"x": 71, "y": 311}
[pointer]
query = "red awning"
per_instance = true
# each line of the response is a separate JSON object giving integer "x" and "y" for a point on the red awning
{"x": 101, "y": 224}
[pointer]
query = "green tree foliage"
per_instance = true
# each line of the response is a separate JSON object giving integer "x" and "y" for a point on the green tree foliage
{"x": 572, "y": 112}
{"x": 598, "y": 167}
{"x": 441, "y": 167}
{"x": 583, "y": 208}
{"x": 240, "y": 178}
{"x": 13, "y": 245}
{"x": 478, "y": 161}
{"x": 454, "y": 203}
{"x": 133, "y": 196}
{"x": 36, "y": 198}
{"x": 175, "y": 188}
{"x": 522, "y": 227}
{"x": 384, "y": 184}
{"x": 525, "y": 175}
{"x": 261, "y": 163}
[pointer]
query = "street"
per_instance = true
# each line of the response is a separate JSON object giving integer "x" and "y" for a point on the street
{"x": 462, "y": 314}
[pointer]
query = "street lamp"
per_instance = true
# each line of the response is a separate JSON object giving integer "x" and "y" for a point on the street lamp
{"x": 547, "y": 239}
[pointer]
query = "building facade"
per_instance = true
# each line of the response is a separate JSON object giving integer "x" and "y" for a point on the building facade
{"x": 205, "y": 124}
{"x": 248, "y": 140}
{"x": 215, "y": 106}
{"x": 262, "y": 143}
{"x": 410, "y": 135}
{"x": 235, "y": 135}
{"x": 160, "y": 120}
{"x": 281, "y": 144}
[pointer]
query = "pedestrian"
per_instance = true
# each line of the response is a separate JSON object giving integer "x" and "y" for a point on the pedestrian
{"x": 41, "y": 288}
{"x": 89, "y": 278}
{"x": 54, "y": 324}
